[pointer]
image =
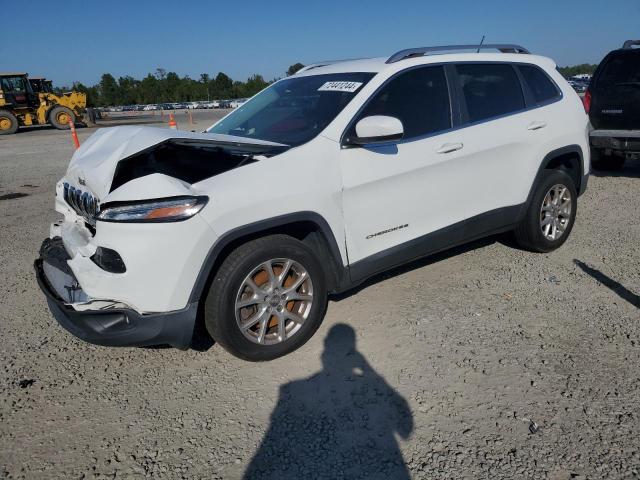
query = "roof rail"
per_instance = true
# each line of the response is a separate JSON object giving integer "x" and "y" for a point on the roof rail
{"x": 325, "y": 63}
{"x": 630, "y": 43}
{"x": 312, "y": 66}
{"x": 419, "y": 52}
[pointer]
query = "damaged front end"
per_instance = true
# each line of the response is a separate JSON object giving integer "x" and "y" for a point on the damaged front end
{"x": 119, "y": 268}
{"x": 105, "y": 323}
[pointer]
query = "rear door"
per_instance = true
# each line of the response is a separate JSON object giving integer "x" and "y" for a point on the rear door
{"x": 501, "y": 138}
{"x": 615, "y": 92}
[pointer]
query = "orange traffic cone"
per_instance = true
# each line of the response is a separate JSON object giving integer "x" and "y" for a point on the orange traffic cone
{"x": 74, "y": 135}
{"x": 172, "y": 122}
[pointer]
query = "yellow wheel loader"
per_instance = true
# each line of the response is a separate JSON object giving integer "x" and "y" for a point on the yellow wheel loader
{"x": 20, "y": 105}
{"x": 41, "y": 85}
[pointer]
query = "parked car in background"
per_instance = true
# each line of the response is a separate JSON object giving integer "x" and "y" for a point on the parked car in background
{"x": 579, "y": 84}
{"x": 238, "y": 102}
{"x": 613, "y": 104}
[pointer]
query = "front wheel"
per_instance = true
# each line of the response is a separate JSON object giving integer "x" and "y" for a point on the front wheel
{"x": 59, "y": 117}
{"x": 550, "y": 215}
{"x": 267, "y": 298}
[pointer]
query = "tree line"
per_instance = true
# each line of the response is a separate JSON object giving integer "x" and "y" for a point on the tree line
{"x": 169, "y": 87}
{"x": 577, "y": 69}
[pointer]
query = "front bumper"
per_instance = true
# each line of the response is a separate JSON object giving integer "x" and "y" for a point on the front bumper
{"x": 119, "y": 327}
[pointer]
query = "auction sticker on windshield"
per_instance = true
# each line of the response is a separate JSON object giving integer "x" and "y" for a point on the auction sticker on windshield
{"x": 349, "y": 87}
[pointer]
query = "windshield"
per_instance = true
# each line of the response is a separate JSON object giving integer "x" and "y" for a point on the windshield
{"x": 13, "y": 84}
{"x": 294, "y": 110}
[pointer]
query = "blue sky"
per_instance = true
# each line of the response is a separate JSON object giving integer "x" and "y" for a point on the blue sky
{"x": 79, "y": 40}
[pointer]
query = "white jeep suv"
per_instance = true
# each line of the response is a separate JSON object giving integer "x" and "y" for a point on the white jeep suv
{"x": 320, "y": 181}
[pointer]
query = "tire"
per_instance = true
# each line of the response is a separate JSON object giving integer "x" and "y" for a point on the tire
{"x": 59, "y": 115}
{"x": 600, "y": 161}
{"x": 8, "y": 123}
{"x": 530, "y": 233}
{"x": 230, "y": 284}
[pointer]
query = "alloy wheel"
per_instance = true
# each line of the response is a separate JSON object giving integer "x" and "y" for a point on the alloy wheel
{"x": 555, "y": 213}
{"x": 274, "y": 301}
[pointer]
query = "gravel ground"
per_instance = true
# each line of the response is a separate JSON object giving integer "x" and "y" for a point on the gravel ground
{"x": 485, "y": 362}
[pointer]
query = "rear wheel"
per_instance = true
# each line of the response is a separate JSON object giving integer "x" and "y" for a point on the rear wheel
{"x": 267, "y": 298}
{"x": 59, "y": 117}
{"x": 600, "y": 161}
{"x": 551, "y": 213}
{"x": 8, "y": 123}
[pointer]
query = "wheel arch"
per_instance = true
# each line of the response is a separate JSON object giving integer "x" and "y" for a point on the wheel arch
{"x": 309, "y": 227}
{"x": 569, "y": 159}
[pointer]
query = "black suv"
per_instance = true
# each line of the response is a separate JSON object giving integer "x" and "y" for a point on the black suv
{"x": 613, "y": 104}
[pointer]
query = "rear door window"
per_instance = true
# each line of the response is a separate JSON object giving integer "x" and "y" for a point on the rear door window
{"x": 621, "y": 69}
{"x": 540, "y": 85}
{"x": 489, "y": 90}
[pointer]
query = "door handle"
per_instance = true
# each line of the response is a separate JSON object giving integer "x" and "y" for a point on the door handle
{"x": 536, "y": 125}
{"x": 450, "y": 147}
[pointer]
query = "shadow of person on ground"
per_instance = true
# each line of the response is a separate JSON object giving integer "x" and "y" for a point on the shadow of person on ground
{"x": 609, "y": 282}
{"x": 339, "y": 423}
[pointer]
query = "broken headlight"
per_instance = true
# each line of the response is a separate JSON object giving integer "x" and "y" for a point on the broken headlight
{"x": 173, "y": 209}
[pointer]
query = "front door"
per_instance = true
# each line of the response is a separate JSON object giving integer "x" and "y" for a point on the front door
{"x": 399, "y": 197}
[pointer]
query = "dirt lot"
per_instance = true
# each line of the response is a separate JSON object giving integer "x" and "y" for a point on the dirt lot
{"x": 486, "y": 362}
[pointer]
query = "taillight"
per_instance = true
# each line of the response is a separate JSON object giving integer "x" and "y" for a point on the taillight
{"x": 586, "y": 101}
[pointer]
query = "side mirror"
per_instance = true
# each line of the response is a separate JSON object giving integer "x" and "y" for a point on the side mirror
{"x": 377, "y": 129}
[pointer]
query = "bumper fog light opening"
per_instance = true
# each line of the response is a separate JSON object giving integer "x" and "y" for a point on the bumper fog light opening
{"x": 109, "y": 260}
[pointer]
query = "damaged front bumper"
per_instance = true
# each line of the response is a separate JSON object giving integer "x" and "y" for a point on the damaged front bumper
{"x": 105, "y": 326}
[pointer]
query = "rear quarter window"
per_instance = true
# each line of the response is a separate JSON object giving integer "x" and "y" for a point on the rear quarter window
{"x": 540, "y": 85}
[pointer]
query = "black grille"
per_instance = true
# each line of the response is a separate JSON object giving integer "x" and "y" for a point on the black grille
{"x": 84, "y": 204}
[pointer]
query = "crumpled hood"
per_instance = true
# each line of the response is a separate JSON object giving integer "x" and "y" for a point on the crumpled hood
{"x": 94, "y": 163}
